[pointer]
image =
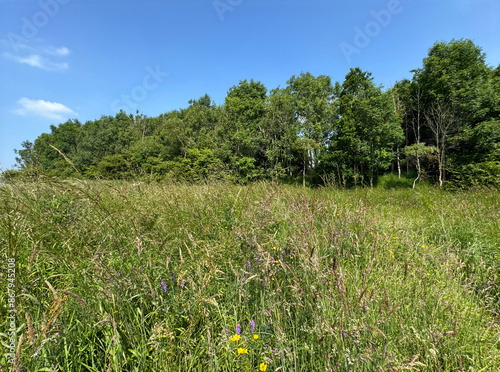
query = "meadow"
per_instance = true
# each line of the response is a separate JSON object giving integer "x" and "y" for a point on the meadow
{"x": 123, "y": 276}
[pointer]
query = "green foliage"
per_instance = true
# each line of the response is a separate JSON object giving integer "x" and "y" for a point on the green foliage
{"x": 312, "y": 131}
{"x": 484, "y": 174}
{"x": 113, "y": 167}
{"x": 369, "y": 128}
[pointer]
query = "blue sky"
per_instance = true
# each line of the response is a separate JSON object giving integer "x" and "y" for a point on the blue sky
{"x": 81, "y": 59}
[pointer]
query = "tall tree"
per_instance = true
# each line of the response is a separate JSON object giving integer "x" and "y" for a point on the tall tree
{"x": 316, "y": 116}
{"x": 244, "y": 108}
{"x": 279, "y": 129}
{"x": 369, "y": 128}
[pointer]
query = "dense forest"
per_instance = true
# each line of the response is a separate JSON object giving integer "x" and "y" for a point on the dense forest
{"x": 443, "y": 125}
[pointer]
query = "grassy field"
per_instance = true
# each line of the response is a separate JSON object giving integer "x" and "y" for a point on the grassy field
{"x": 136, "y": 277}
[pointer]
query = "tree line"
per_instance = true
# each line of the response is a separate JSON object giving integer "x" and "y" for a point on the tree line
{"x": 442, "y": 124}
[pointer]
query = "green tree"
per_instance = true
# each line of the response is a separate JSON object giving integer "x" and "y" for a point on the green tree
{"x": 455, "y": 73}
{"x": 316, "y": 118}
{"x": 369, "y": 128}
{"x": 52, "y": 148}
{"x": 279, "y": 131}
{"x": 244, "y": 108}
{"x": 26, "y": 158}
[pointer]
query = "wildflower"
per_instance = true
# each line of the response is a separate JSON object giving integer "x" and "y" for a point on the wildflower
{"x": 227, "y": 331}
{"x": 252, "y": 325}
{"x": 182, "y": 284}
{"x": 276, "y": 262}
{"x": 263, "y": 367}
{"x": 242, "y": 351}
{"x": 238, "y": 329}
{"x": 255, "y": 337}
{"x": 274, "y": 248}
{"x": 235, "y": 338}
{"x": 249, "y": 266}
{"x": 163, "y": 285}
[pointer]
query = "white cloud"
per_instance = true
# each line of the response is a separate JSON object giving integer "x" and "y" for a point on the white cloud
{"x": 61, "y": 51}
{"x": 37, "y": 60}
{"x": 46, "y": 109}
{"x": 40, "y": 56}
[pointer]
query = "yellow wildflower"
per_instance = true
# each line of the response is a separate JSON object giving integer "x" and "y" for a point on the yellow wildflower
{"x": 235, "y": 338}
{"x": 242, "y": 351}
{"x": 255, "y": 337}
{"x": 263, "y": 366}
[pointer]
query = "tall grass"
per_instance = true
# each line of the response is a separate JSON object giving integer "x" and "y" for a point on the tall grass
{"x": 136, "y": 277}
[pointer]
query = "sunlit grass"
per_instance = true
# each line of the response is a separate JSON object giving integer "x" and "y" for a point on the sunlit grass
{"x": 160, "y": 277}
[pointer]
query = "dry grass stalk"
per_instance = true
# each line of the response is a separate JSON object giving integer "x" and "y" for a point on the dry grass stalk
{"x": 54, "y": 292}
{"x": 153, "y": 292}
{"x": 31, "y": 330}
{"x": 76, "y": 297}
{"x": 17, "y": 361}
{"x": 32, "y": 257}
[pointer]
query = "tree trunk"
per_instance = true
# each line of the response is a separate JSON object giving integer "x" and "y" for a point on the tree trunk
{"x": 399, "y": 166}
{"x": 418, "y": 172}
{"x": 304, "y": 175}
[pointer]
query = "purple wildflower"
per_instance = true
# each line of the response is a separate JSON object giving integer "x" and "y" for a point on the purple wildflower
{"x": 227, "y": 331}
{"x": 140, "y": 269}
{"x": 163, "y": 285}
{"x": 182, "y": 284}
{"x": 249, "y": 266}
{"x": 173, "y": 277}
{"x": 284, "y": 254}
{"x": 238, "y": 329}
{"x": 252, "y": 325}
